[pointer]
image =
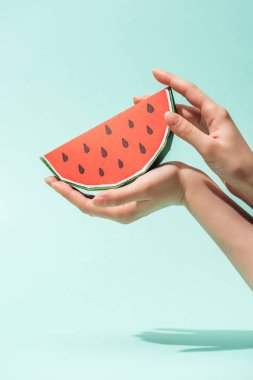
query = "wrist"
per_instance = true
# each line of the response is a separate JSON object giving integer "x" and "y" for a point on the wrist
{"x": 249, "y": 172}
{"x": 241, "y": 183}
{"x": 191, "y": 179}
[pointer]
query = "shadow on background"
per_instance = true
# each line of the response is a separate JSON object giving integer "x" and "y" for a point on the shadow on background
{"x": 200, "y": 340}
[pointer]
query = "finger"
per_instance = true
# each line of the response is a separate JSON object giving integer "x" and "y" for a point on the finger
{"x": 71, "y": 194}
{"x": 114, "y": 197}
{"x": 187, "y": 131}
{"x": 190, "y": 113}
{"x": 191, "y": 92}
{"x": 193, "y": 115}
{"x": 49, "y": 180}
{"x": 86, "y": 205}
{"x": 138, "y": 99}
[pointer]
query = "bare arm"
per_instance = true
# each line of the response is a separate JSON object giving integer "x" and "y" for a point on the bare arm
{"x": 176, "y": 184}
{"x": 228, "y": 225}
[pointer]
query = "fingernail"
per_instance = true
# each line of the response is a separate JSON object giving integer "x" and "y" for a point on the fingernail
{"x": 158, "y": 71}
{"x": 172, "y": 118}
{"x": 48, "y": 182}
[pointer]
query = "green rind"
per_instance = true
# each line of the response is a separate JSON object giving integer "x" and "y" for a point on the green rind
{"x": 160, "y": 155}
{"x": 50, "y": 168}
{"x": 166, "y": 149}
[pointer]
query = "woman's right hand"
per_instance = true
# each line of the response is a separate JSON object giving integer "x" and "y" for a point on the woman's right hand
{"x": 209, "y": 128}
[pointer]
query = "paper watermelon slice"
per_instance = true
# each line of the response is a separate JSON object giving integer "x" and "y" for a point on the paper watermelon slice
{"x": 118, "y": 150}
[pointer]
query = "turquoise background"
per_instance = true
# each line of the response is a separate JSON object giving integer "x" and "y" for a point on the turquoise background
{"x": 86, "y": 298}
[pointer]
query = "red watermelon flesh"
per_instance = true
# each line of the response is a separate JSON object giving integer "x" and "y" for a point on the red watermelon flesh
{"x": 118, "y": 150}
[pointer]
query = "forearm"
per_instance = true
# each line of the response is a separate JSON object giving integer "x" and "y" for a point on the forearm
{"x": 229, "y": 225}
{"x": 241, "y": 184}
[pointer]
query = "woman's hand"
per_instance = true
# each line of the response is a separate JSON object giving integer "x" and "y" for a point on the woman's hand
{"x": 208, "y": 127}
{"x": 156, "y": 189}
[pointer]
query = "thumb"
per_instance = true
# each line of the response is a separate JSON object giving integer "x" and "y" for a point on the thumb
{"x": 116, "y": 197}
{"x": 187, "y": 131}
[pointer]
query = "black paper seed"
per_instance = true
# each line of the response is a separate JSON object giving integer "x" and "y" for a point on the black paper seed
{"x": 120, "y": 164}
{"x": 108, "y": 130}
{"x": 124, "y": 143}
{"x": 130, "y": 123}
{"x": 101, "y": 172}
{"x": 81, "y": 169}
{"x": 86, "y": 148}
{"x": 149, "y": 130}
{"x": 150, "y": 108}
{"x": 64, "y": 157}
{"x": 103, "y": 152}
{"x": 142, "y": 148}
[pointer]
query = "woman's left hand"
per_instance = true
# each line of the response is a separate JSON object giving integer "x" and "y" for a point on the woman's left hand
{"x": 156, "y": 189}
